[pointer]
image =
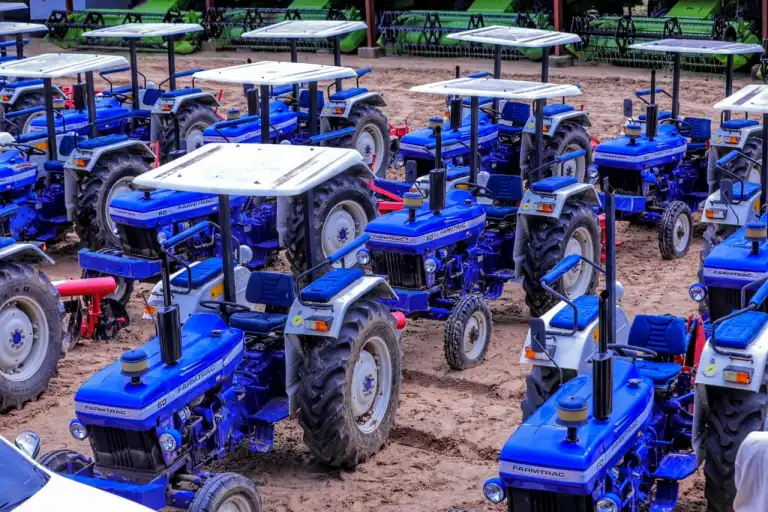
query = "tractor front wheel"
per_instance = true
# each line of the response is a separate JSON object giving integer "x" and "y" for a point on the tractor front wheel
{"x": 371, "y": 138}
{"x": 31, "y": 317}
{"x": 675, "y": 231}
{"x": 733, "y": 414}
{"x": 350, "y": 387}
{"x": 111, "y": 177}
{"x": 468, "y": 332}
{"x": 577, "y": 231}
{"x": 540, "y": 385}
{"x": 58, "y": 461}
{"x": 227, "y": 492}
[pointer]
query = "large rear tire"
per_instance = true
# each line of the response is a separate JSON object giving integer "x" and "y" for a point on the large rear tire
{"x": 568, "y": 138}
{"x": 744, "y": 168}
{"x": 371, "y": 138}
{"x": 31, "y": 317}
{"x": 350, "y": 387}
{"x": 23, "y": 124}
{"x": 551, "y": 240}
{"x": 110, "y": 178}
{"x": 193, "y": 119}
{"x": 733, "y": 414}
{"x": 343, "y": 206}
{"x": 540, "y": 385}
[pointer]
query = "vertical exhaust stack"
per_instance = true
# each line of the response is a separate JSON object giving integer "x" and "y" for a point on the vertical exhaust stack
{"x": 437, "y": 190}
{"x": 652, "y": 111}
{"x": 168, "y": 319}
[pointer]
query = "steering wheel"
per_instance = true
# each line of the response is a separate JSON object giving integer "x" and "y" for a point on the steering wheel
{"x": 31, "y": 150}
{"x": 681, "y": 125}
{"x": 228, "y": 308}
{"x": 491, "y": 112}
{"x": 120, "y": 97}
{"x": 633, "y": 352}
{"x": 480, "y": 191}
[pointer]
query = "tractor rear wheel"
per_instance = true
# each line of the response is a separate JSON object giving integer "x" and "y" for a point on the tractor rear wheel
{"x": 343, "y": 206}
{"x": 468, "y": 332}
{"x": 227, "y": 492}
{"x": 58, "y": 460}
{"x": 577, "y": 231}
{"x": 733, "y": 414}
{"x": 31, "y": 318}
{"x": 675, "y": 231}
{"x": 744, "y": 168}
{"x": 569, "y": 137}
{"x": 371, "y": 138}
{"x": 540, "y": 385}
{"x": 193, "y": 119}
{"x": 350, "y": 387}
{"x": 111, "y": 177}
{"x": 23, "y": 124}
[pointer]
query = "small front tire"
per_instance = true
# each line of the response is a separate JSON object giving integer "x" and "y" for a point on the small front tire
{"x": 468, "y": 332}
{"x": 227, "y": 492}
{"x": 58, "y": 461}
{"x": 675, "y": 231}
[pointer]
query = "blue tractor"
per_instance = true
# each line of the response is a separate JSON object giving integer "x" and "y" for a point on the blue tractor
{"x": 615, "y": 440}
{"x": 660, "y": 167}
{"x": 732, "y": 347}
{"x": 506, "y": 138}
{"x": 324, "y": 349}
{"x": 447, "y": 257}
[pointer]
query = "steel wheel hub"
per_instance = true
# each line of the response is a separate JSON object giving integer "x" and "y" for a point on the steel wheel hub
{"x": 345, "y": 223}
{"x": 370, "y": 143}
{"x": 475, "y": 333}
{"x": 575, "y": 168}
{"x": 371, "y": 385}
{"x": 122, "y": 186}
{"x": 364, "y": 383}
{"x": 576, "y": 281}
{"x": 235, "y": 503}
{"x": 682, "y": 233}
{"x": 20, "y": 353}
{"x": 194, "y": 136}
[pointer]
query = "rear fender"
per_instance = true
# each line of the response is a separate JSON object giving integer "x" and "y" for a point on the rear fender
{"x": 573, "y": 352}
{"x": 736, "y": 214}
{"x": 20, "y": 92}
{"x": 92, "y": 157}
{"x": 373, "y": 99}
{"x": 553, "y": 122}
{"x": 721, "y": 136}
{"x": 206, "y": 98}
{"x": 24, "y": 251}
{"x": 712, "y": 365}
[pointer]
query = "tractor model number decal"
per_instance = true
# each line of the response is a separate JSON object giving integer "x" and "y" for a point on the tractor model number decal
{"x": 640, "y": 158}
{"x": 733, "y": 274}
{"x": 154, "y": 214}
{"x": 19, "y": 176}
{"x": 416, "y": 240}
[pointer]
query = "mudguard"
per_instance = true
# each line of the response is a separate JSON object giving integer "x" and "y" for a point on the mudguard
{"x": 573, "y": 352}
{"x": 92, "y": 156}
{"x": 374, "y": 99}
{"x": 25, "y": 251}
{"x": 552, "y": 123}
{"x": 176, "y": 103}
{"x": 736, "y": 214}
{"x": 15, "y": 94}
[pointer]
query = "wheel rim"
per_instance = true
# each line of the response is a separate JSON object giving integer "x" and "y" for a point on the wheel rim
{"x": 371, "y": 384}
{"x": 194, "y": 136}
{"x": 120, "y": 290}
{"x": 121, "y": 187}
{"x": 577, "y": 167}
{"x": 475, "y": 332}
{"x": 576, "y": 281}
{"x": 682, "y": 233}
{"x": 28, "y": 123}
{"x": 236, "y": 503}
{"x": 344, "y": 223}
{"x": 753, "y": 175}
{"x": 370, "y": 144}
{"x": 23, "y": 337}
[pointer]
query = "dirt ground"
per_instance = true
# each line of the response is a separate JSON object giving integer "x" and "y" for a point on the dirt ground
{"x": 450, "y": 425}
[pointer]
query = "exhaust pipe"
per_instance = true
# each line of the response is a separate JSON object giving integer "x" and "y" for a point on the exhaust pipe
{"x": 437, "y": 180}
{"x": 602, "y": 367}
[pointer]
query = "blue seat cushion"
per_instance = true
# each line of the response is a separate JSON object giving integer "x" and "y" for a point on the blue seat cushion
{"x": 201, "y": 273}
{"x": 54, "y": 166}
{"x": 5, "y": 241}
{"x": 100, "y": 142}
{"x": 482, "y": 100}
{"x": 516, "y": 113}
{"x": 496, "y": 212}
{"x": 347, "y": 93}
{"x": 553, "y": 184}
{"x": 260, "y": 323}
{"x": 740, "y": 331}
{"x": 179, "y": 92}
{"x": 507, "y": 188}
{"x": 282, "y": 89}
{"x": 123, "y": 89}
{"x": 663, "y": 334}
{"x": 587, "y": 308}
{"x": 700, "y": 129}
{"x": 304, "y": 99}
{"x": 455, "y": 173}
{"x": 272, "y": 288}
{"x": 663, "y": 114}
{"x": 660, "y": 373}
{"x": 557, "y": 108}
{"x": 738, "y": 124}
{"x": 30, "y": 136}
{"x": 749, "y": 189}
{"x": 323, "y": 289}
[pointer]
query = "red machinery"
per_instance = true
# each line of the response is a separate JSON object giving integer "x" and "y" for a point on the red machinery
{"x": 91, "y": 314}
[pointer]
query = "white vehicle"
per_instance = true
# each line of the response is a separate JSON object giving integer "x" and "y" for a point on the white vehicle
{"x": 27, "y": 486}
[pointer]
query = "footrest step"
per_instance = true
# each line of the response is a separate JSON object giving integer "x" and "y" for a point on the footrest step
{"x": 276, "y": 410}
{"x": 676, "y": 466}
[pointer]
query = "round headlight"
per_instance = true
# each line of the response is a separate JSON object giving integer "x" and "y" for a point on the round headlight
{"x": 493, "y": 491}
{"x": 606, "y": 504}
{"x": 78, "y": 430}
{"x": 168, "y": 442}
{"x": 698, "y": 292}
{"x": 399, "y": 161}
{"x": 430, "y": 266}
{"x": 363, "y": 257}
{"x": 161, "y": 237}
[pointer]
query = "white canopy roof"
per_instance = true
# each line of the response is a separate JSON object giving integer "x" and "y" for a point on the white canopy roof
{"x": 139, "y": 30}
{"x": 55, "y": 65}
{"x": 275, "y": 73}
{"x": 12, "y": 6}
{"x": 752, "y": 99}
{"x": 516, "y": 36}
{"x": 258, "y": 170}
{"x": 8, "y": 28}
{"x": 310, "y": 29}
{"x": 699, "y": 46}
{"x": 502, "y": 89}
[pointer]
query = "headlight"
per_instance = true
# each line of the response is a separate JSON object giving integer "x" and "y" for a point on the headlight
{"x": 399, "y": 161}
{"x": 698, "y": 292}
{"x": 606, "y": 504}
{"x": 593, "y": 172}
{"x": 78, "y": 430}
{"x": 169, "y": 441}
{"x": 494, "y": 491}
{"x": 161, "y": 237}
{"x": 363, "y": 257}
{"x": 430, "y": 266}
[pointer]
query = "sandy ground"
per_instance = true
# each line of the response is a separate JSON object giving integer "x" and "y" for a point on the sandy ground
{"x": 450, "y": 425}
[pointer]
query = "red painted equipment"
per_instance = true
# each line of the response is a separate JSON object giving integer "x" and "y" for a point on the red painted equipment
{"x": 400, "y": 320}
{"x": 91, "y": 314}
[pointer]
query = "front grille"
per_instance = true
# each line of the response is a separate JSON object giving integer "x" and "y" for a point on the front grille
{"x": 402, "y": 270}
{"x": 139, "y": 242}
{"x": 723, "y": 301}
{"x": 624, "y": 181}
{"x": 126, "y": 449}
{"x": 521, "y": 500}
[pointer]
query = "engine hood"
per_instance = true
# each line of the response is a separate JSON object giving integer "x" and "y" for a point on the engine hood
{"x": 667, "y": 147}
{"x": 731, "y": 264}
{"x": 538, "y": 451}
{"x": 421, "y": 143}
{"x": 15, "y": 171}
{"x": 210, "y": 353}
{"x": 164, "y": 206}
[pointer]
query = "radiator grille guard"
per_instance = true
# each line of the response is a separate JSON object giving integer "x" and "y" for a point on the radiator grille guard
{"x": 126, "y": 449}
{"x": 402, "y": 270}
{"x": 522, "y": 500}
